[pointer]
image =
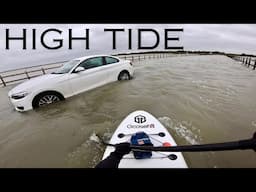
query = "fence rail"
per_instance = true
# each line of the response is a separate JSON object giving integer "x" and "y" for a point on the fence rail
{"x": 247, "y": 61}
{"x": 23, "y": 74}
{"x": 12, "y": 76}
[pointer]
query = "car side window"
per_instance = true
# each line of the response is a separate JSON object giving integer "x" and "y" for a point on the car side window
{"x": 92, "y": 63}
{"x": 110, "y": 60}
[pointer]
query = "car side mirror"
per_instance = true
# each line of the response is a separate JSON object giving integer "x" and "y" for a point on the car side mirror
{"x": 79, "y": 69}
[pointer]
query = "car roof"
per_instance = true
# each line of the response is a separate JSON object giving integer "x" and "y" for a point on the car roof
{"x": 91, "y": 56}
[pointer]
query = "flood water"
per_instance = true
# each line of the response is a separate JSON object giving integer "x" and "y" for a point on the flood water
{"x": 199, "y": 99}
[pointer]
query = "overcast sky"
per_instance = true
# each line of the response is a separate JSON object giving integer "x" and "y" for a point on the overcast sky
{"x": 234, "y": 38}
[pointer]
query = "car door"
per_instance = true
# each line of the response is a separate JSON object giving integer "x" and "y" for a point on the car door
{"x": 93, "y": 76}
{"x": 113, "y": 68}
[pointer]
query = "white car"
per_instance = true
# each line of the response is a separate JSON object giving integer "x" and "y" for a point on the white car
{"x": 76, "y": 76}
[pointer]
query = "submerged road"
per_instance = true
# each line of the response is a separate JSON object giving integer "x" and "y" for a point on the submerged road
{"x": 200, "y": 99}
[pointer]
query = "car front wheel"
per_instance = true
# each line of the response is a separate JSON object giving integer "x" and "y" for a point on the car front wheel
{"x": 46, "y": 98}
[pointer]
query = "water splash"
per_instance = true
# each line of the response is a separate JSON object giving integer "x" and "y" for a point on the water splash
{"x": 166, "y": 121}
{"x": 183, "y": 129}
{"x": 94, "y": 137}
{"x": 87, "y": 154}
{"x": 201, "y": 84}
{"x": 254, "y": 123}
{"x": 230, "y": 91}
{"x": 107, "y": 136}
{"x": 205, "y": 100}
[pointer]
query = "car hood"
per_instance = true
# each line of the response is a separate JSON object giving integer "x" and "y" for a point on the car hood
{"x": 35, "y": 82}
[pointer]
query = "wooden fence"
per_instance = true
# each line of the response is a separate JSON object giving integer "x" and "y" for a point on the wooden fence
{"x": 247, "y": 61}
{"x": 14, "y": 76}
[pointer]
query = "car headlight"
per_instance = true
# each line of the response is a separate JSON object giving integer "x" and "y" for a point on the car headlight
{"x": 19, "y": 95}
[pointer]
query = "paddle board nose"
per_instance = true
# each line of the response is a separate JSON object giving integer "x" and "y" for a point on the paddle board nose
{"x": 142, "y": 121}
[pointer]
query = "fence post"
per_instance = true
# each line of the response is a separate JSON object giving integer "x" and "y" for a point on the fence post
{"x": 2, "y": 81}
{"x": 124, "y": 57}
{"x": 249, "y": 62}
{"x": 43, "y": 70}
{"x": 254, "y": 65}
{"x": 132, "y": 57}
{"x": 139, "y": 57}
{"x": 27, "y": 74}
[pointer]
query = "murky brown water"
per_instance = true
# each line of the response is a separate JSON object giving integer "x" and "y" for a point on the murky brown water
{"x": 200, "y": 99}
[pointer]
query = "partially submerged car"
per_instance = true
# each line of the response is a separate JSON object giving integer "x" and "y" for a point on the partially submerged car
{"x": 76, "y": 76}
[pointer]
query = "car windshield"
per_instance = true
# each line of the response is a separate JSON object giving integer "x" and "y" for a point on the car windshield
{"x": 66, "y": 67}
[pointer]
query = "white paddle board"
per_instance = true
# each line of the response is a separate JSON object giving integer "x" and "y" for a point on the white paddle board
{"x": 143, "y": 121}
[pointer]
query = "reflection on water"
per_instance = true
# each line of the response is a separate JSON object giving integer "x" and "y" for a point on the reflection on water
{"x": 199, "y": 99}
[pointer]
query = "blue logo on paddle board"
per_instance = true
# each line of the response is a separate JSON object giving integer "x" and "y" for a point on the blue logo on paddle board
{"x": 140, "y": 119}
